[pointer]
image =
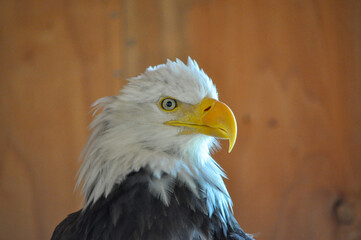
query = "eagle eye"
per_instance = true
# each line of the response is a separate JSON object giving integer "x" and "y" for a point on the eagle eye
{"x": 168, "y": 104}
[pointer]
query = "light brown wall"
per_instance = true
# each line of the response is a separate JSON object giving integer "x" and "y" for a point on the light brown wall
{"x": 290, "y": 70}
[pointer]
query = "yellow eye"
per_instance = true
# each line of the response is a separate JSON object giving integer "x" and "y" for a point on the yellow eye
{"x": 169, "y": 104}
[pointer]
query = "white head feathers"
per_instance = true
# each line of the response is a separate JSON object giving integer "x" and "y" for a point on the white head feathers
{"x": 129, "y": 134}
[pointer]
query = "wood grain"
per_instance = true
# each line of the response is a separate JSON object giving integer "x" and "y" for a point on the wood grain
{"x": 290, "y": 71}
{"x": 57, "y": 57}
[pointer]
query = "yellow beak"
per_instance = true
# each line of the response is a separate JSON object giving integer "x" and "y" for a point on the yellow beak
{"x": 210, "y": 117}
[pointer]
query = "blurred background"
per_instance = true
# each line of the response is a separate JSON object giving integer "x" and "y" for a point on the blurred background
{"x": 289, "y": 69}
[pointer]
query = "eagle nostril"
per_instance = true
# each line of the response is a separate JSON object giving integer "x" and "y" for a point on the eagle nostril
{"x": 207, "y": 109}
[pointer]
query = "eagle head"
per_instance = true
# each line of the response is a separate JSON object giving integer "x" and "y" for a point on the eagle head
{"x": 165, "y": 120}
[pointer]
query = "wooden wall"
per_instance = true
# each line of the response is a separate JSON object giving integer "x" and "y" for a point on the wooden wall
{"x": 290, "y": 70}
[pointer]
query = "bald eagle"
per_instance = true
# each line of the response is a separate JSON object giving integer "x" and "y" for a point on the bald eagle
{"x": 147, "y": 171}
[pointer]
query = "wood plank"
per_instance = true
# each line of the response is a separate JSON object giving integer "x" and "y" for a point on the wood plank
{"x": 155, "y": 33}
{"x": 56, "y": 58}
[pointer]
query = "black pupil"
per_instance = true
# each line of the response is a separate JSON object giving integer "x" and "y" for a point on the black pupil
{"x": 169, "y": 103}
